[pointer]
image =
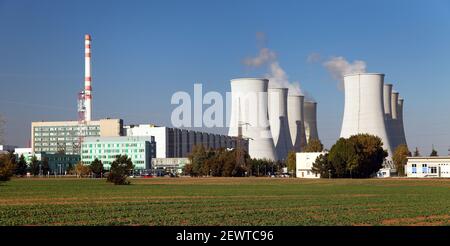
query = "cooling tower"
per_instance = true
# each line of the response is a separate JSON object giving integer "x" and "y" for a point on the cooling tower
{"x": 387, "y": 103}
{"x": 310, "y": 111}
{"x": 394, "y": 126}
{"x": 249, "y": 110}
{"x": 402, "y": 136}
{"x": 296, "y": 122}
{"x": 364, "y": 108}
{"x": 278, "y": 119}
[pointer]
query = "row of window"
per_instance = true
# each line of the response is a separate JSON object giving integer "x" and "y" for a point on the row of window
{"x": 107, "y": 151}
{"x": 90, "y": 133}
{"x": 113, "y": 145}
{"x": 46, "y": 129}
{"x": 110, "y": 157}
{"x": 425, "y": 169}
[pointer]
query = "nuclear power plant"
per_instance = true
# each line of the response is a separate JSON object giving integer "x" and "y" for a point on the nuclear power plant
{"x": 375, "y": 108}
{"x": 269, "y": 119}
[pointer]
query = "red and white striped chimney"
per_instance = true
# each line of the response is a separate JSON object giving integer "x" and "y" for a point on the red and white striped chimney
{"x": 87, "y": 77}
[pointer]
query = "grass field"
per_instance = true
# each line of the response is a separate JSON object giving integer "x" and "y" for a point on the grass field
{"x": 225, "y": 201}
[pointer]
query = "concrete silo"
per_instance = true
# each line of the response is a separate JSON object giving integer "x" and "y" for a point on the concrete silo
{"x": 364, "y": 108}
{"x": 310, "y": 112}
{"x": 296, "y": 122}
{"x": 278, "y": 119}
{"x": 249, "y": 111}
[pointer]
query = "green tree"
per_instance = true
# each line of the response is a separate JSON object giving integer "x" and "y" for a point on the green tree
{"x": 433, "y": 152}
{"x": 359, "y": 156}
{"x": 45, "y": 167}
{"x": 34, "y": 166}
{"x": 314, "y": 145}
{"x": 291, "y": 163}
{"x": 343, "y": 157}
{"x": 7, "y": 166}
{"x": 323, "y": 167}
{"x": 416, "y": 152}
{"x": 400, "y": 158}
{"x": 197, "y": 158}
{"x": 96, "y": 168}
{"x": 21, "y": 167}
{"x": 121, "y": 168}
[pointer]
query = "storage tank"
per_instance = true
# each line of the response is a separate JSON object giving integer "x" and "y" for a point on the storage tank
{"x": 296, "y": 121}
{"x": 249, "y": 110}
{"x": 364, "y": 108}
{"x": 278, "y": 119}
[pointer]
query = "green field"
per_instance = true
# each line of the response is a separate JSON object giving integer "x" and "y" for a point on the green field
{"x": 225, "y": 201}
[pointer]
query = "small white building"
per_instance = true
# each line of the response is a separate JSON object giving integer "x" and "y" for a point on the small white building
{"x": 304, "y": 163}
{"x": 428, "y": 167}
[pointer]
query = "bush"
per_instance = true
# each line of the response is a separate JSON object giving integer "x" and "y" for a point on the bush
{"x": 7, "y": 166}
{"x": 121, "y": 168}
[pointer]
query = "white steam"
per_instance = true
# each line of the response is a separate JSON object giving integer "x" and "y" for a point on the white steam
{"x": 276, "y": 74}
{"x": 339, "y": 66}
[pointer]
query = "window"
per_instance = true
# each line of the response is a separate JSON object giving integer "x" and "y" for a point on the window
{"x": 424, "y": 168}
{"x": 414, "y": 168}
{"x": 433, "y": 170}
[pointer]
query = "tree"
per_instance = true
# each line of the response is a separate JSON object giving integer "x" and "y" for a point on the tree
{"x": 291, "y": 163}
{"x": 323, "y": 167}
{"x": 81, "y": 170}
{"x": 433, "y": 152}
{"x": 314, "y": 145}
{"x": 416, "y": 152}
{"x": 7, "y": 166}
{"x": 121, "y": 168}
{"x": 34, "y": 166}
{"x": 21, "y": 167}
{"x": 359, "y": 156}
{"x": 45, "y": 167}
{"x": 96, "y": 167}
{"x": 370, "y": 153}
{"x": 400, "y": 158}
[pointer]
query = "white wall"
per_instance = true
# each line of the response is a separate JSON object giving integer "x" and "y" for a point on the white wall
{"x": 304, "y": 163}
{"x": 421, "y": 167}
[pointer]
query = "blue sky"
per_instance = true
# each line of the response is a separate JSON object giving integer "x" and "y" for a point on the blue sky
{"x": 144, "y": 51}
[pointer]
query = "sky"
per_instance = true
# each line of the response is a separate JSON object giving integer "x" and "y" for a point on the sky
{"x": 145, "y": 51}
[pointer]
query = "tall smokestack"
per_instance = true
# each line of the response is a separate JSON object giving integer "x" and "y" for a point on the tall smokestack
{"x": 87, "y": 77}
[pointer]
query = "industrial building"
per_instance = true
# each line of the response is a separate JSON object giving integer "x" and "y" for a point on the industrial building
{"x": 141, "y": 150}
{"x": 278, "y": 119}
{"x": 428, "y": 167}
{"x": 66, "y": 136}
{"x": 176, "y": 143}
{"x": 163, "y": 166}
{"x": 296, "y": 118}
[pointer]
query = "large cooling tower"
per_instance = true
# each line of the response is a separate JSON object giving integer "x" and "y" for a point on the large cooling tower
{"x": 310, "y": 111}
{"x": 296, "y": 122}
{"x": 402, "y": 136}
{"x": 249, "y": 109}
{"x": 364, "y": 108}
{"x": 278, "y": 119}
